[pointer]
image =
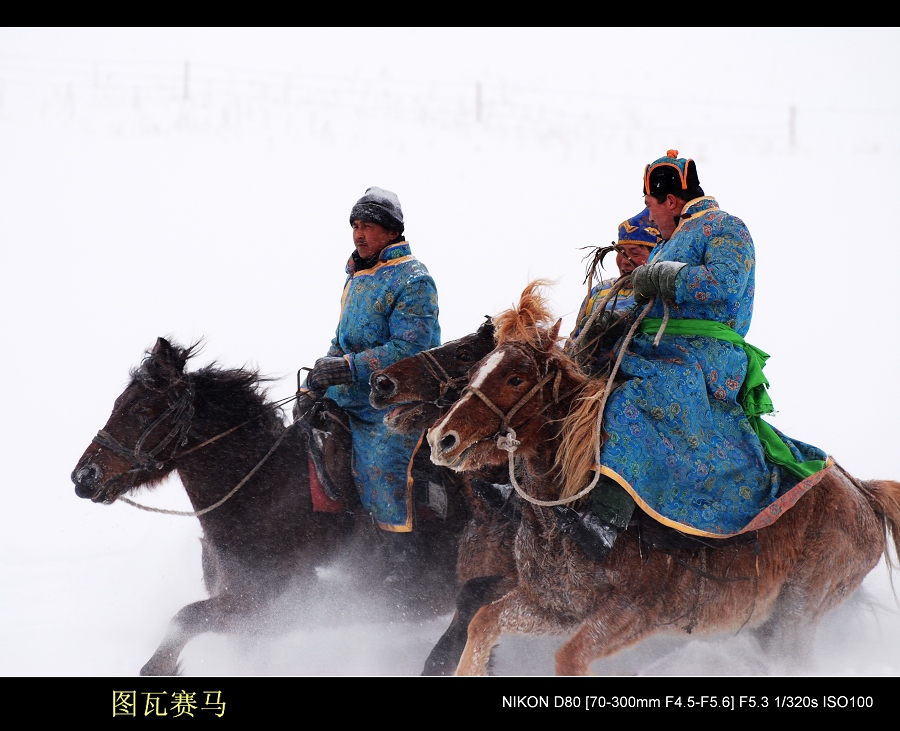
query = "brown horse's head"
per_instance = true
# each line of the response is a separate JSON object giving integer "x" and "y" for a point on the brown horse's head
{"x": 513, "y": 387}
{"x": 148, "y": 424}
{"x": 422, "y": 387}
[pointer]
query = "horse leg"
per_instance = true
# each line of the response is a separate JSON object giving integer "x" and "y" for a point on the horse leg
{"x": 601, "y": 635}
{"x": 511, "y": 614}
{"x": 209, "y": 615}
{"x": 474, "y": 594}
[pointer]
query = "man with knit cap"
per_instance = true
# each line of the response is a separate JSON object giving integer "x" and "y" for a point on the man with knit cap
{"x": 683, "y": 434}
{"x": 389, "y": 311}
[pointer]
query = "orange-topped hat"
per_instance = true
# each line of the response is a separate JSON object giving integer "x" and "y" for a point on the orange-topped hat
{"x": 671, "y": 174}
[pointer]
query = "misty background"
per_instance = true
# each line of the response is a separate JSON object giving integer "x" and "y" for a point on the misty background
{"x": 197, "y": 184}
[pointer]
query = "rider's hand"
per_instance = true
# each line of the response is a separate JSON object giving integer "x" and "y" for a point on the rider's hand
{"x": 305, "y": 401}
{"x": 329, "y": 372}
{"x": 658, "y": 278}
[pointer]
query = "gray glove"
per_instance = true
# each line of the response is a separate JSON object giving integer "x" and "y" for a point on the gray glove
{"x": 654, "y": 279}
{"x": 329, "y": 372}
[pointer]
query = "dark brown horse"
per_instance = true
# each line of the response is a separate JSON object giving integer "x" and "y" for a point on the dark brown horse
{"x": 265, "y": 537}
{"x": 803, "y": 565}
{"x": 417, "y": 391}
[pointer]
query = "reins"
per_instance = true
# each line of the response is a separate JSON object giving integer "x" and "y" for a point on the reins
{"x": 179, "y": 409}
{"x": 508, "y": 442}
{"x": 196, "y": 513}
{"x": 445, "y": 381}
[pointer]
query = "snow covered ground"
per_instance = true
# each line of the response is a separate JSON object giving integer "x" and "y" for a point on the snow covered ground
{"x": 197, "y": 184}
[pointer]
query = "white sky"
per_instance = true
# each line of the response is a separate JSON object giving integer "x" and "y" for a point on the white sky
{"x": 129, "y": 211}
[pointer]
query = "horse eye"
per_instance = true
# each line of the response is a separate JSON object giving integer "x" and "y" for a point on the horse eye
{"x": 514, "y": 381}
{"x": 464, "y": 355}
{"x": 142, "y": 412}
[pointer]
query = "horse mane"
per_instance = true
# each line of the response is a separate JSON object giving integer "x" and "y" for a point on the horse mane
{"x": 576, "y": 457}
{"x": 530, "y": 321}
{"x": 234, "y": 394}
{"x": 533, "y": 323}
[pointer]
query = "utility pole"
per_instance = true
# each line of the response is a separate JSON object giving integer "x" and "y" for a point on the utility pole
{"x": 478, "y": 101}
{"x": 793, "y": 126}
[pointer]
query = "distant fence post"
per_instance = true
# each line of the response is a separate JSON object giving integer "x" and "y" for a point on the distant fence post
{"x": 792, "y": 126}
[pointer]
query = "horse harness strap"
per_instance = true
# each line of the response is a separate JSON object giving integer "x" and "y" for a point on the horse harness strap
{"x": 178, "y": 409}
{"x": 181, "y": 410}
{"x": 439, "y": 373}
{"x": 207, "y": 509}
{"x": 507, "y": 417}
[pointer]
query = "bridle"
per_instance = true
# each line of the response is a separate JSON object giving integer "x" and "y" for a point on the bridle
{"x": 182, "y": 411}
{"x": 444, "y": 380}
{"x": 505, "y": 426}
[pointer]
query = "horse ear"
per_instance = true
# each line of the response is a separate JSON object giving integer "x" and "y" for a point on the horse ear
{"x": 487, "y": 327}
{"x": 168, "y": 358}
{"x": 554, "y": 332}
{"x": 162, "y": 349}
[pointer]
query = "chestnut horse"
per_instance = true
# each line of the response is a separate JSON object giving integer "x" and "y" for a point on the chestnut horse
{"x": 216, "y": 429}
{"x": 417, "y": 391}
{"x": 812, "y": 558}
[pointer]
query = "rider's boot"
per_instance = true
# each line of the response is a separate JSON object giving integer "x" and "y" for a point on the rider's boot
{"x": 400, "y": 557}
{"x": 596, "y": 529}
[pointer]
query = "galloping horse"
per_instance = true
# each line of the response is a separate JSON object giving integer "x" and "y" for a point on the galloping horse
{"x": 529, "y": 394}
{"x": 216, "y": 429}
{"x": 417, "y": 391}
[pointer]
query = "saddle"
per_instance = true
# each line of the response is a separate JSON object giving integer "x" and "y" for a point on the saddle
{"x": 331, "y": 472}
{"x": 330, "y": 449}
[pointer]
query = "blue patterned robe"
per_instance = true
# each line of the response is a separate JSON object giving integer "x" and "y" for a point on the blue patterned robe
{"x": 388, "y": 313}
{"x": 623, "y": 300}
{"x": 678, "y": 439}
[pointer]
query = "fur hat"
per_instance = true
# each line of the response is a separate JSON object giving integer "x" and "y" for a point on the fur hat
{"x": 672, "y": 174}
{"x": 637, "y": 230}
{"x": 379, "y": 206}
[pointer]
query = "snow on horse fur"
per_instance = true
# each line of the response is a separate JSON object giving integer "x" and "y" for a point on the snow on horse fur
{"x": 803, "y": 565}
{"x": 264, "y": 539}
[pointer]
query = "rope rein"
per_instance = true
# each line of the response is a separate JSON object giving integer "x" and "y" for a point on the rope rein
{"x": 510, "y": 444}
{"x": 438, "y": 373}
{"x": 179, "y": 409}
{"x": 197, "y": 513}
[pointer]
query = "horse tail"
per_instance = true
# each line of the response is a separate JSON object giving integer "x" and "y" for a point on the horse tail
{"x": 576, "y": 456}
{"x": 884, "y": 496}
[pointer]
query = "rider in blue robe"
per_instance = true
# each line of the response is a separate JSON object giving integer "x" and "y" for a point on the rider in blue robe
{"x": 636, "y": 240}
{"x": 389, "y": 311}
{"x": 682, "y": 436}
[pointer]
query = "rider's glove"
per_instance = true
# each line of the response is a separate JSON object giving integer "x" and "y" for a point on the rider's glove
{"x": 654, "y": 279}
{"x": 305, "y": 401}
{"x": 329, "y": 372}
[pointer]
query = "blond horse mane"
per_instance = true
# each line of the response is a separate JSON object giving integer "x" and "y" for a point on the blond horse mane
{"x": 575, "y": 458}
{"x": 533, "y": 323}
{"x": 530, "y": 321}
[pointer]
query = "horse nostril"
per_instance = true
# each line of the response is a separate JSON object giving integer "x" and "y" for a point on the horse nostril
{"x": 448, "y": 442}
{"x": 384, "y": 385}
{"x": 86, "y": 476}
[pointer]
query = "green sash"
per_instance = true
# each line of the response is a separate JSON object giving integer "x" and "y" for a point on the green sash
{"x": 752, "y": 396}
